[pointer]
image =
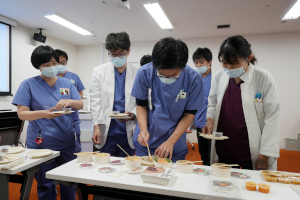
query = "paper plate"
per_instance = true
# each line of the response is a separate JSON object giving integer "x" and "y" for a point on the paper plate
{"x": 117, "y": 162}
{"x": 63, "y": 112}
{"x": 15, "y": 150}
{"x": 119, "y": 115}
{"x": 211, "y": 137}
{"x": 201, "y": 171}
{"x": 146, "y": 161}
{"x": 136, "y": 170}
{"x": 10, "y": 158}
{"x": 106, "y": 170}
{"x": 40, "y": 153}
{"x": 126, "y": 117}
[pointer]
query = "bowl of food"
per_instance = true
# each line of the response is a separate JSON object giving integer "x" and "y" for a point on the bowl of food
{"x": 184, "y": 166}
{"x": 221, "y": 171}
{"x": 101, "y": 158}
{"x": 133, "y": 162}
{"x": 67, "y": 109}
{"x": 84, "y": 157}
{"x": 163, "y": 162}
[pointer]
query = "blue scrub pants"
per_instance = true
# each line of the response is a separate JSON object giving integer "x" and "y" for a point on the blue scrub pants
{"x": 78, "y": 142}
{"x": 143, "y": 151}
{"x": 45, "y": 187}
{"x": 112, "y": 148}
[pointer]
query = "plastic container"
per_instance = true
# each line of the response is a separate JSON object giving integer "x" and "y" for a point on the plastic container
{"x": 133, "y": 162}
{"x": 184, "y": 168}
{"x": 250, "y": 185}
{"x": 264, "y": 188}
{"x": 221, "y": 171}
{"x": 101, "y": 158}
{"x": 84, "y": 157}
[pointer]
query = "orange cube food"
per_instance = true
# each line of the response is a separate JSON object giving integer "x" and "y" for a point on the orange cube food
{"x": 250, "y": 185}
{"x": 264, "y": 188}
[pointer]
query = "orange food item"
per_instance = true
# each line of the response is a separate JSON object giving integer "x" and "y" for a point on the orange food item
{"x": 250, "y": 185}
{"x": 162, "y": 160}
{"x": 264, "y": 188}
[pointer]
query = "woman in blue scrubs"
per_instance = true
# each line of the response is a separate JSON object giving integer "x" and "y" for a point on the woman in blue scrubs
{"x": 56, "y": 130}
{"x": 168, "y": 95}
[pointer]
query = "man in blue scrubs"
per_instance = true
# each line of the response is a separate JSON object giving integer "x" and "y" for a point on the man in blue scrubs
{"x": 74, "y": 78}
{"x": 110, "y": 90}
{"x": 168, "y": 95}
{"x": 202, "y": 59}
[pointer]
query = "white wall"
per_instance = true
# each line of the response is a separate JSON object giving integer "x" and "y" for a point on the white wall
{"x": 278, "y": 53}
{"x": 89, "y": 56}
{"x": 22, "y": 48}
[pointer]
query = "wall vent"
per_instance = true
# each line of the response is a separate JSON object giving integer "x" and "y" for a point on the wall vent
{"x": 223, "y": 26}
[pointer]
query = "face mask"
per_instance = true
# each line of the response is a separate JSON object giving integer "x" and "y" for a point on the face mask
{"x": 49, "y": 72}
{"x": 201, "y": 70}
{"x": 235, "y": 73}
{"x": 118, "y": 62}
{"x": 61, "y": 68}
{"x": 167, "y": 80}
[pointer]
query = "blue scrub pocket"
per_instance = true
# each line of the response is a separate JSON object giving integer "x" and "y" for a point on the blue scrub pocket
{"x": 66, "y": 96}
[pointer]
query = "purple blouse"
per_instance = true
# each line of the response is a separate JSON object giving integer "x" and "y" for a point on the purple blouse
{"x": 234, "y": 150}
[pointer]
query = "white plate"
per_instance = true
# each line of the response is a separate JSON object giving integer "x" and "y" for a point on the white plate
{"x": 145, "y": 161}
{"x": 106, "y": 170}
{"x": 40, "y": 153}
{"x": 117, "y": 163}
{"x": 119, "y": 115}
{"x": 15, "y": 150}
{"x": 10, "y": 158}
{"x": 212, "y": 137}
{"x": 63, "y": 112}
{"x": 136, "y": 170}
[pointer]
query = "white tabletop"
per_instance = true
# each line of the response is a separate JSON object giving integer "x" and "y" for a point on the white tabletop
{"x": 182, "y": 185}
{"x": 29, "y": 163}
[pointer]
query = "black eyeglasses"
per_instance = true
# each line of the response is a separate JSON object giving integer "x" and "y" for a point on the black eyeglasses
{"x": 114, "y": 55}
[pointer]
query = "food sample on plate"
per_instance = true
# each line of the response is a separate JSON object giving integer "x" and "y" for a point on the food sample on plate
{"x": 250, "y": 185}
{"x": 86, "y": 166}
{"x": 201, "y": 171}
{"x": 240, "y": 175}
{"x": 116, "y": 161}
{"x": 164, "y": 160}
{"x": 106, "y": 169}
{"x": 281, "y": 177}
{"x": 154, "y": 170}
{"x": 264, "y": 188}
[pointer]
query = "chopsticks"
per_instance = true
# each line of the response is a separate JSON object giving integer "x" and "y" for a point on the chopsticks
{"x": 189, "y": 162}
{"x": 123, "y": 150}
{"x": 149, "y": 154}
{"x": 225, "y": 165}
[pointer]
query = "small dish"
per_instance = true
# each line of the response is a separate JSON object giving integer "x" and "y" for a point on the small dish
{"x": 136, "y": 170}
{"x": 117, "y": 162}
{"x": 201, "y": 171}
{"x": 106, "y": 170}
{"x": 87, "y": 166}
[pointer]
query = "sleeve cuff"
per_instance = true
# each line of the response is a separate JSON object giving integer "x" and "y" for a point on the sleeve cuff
{"x": 97, "y": 122}
{"x": 140, "y": 102}
{"x": 193, "y": 112}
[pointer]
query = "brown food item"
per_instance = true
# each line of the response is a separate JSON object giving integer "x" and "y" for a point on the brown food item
{"x": 154, "y": 170}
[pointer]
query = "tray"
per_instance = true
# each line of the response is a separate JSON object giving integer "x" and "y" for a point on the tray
{"x": 63, "y": 112}
{"x": 39, "y": 153}
{"x": 12, "y": 150}
{"x": 281, "y": 177}
{"x": 212, "y": 137}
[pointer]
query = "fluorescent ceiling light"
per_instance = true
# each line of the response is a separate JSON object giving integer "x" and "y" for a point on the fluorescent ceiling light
{"x": 58, "y": 19}
{"x": 294, "y": 12}
{"x": 158, "y": 14}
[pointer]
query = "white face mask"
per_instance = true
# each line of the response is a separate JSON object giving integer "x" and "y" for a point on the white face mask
{"x": 166, "y": 80}
{"x": 202, "y": 70}
{"x": 235, "y": 73}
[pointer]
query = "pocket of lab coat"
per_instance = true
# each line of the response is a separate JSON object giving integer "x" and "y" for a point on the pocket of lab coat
{"x": 259, "y": 109}
{"x": 149, "y": 99}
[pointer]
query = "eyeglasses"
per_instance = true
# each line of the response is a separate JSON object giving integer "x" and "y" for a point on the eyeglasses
{"x": 162, "y": 76}
{"x": 114, "y": 55}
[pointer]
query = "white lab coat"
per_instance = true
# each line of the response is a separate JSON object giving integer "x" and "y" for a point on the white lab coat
{"x": 263, "y": 132}
{"x": 213, "y": 74}
{"x": 102, "y": 92}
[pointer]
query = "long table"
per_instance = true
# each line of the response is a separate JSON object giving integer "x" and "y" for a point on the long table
{"x": 28, "y": 169}
{"x": 182, "y": 186}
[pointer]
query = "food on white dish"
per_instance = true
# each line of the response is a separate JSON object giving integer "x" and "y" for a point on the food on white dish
{"x": 224, "y": 171}
{"x": 184, "y": 166}
{"x": 133, "y": 162}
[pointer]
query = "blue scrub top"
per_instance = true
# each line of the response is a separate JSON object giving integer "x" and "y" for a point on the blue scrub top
{"x": 200, "y": 118}
{"x": 116, "y": 128}
{"x": 35, "y": 93}
{"x": 166, "y": 112}
{"x": 74, "y": 78}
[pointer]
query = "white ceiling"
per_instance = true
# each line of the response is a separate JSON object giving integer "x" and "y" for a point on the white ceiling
{"x": 190, "y": 18}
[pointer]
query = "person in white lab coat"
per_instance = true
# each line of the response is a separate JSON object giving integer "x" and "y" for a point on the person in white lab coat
{"x": 243, "y": 104}
{"x": 110, "y": 91}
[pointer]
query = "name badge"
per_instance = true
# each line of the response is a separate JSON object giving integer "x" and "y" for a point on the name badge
{"x": 64, "y": 91}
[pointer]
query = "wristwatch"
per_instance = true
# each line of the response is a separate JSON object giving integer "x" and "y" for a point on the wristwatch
{"x": 134, "y": 116}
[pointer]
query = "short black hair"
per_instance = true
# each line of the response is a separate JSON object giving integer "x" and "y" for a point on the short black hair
{"x": 61, "y": 53}
{"x": 234, "y": 48}
{"x": 145, "y": 60}
{"x": 117, "y": 40}
{"x": 42, "y": 54}
{"x": 202, "y": 53}
{"x": 169, "y": 53}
